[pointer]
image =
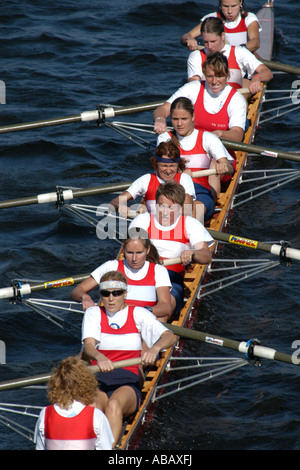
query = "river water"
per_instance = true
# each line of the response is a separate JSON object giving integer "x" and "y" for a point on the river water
{"x": 61, "y": 59}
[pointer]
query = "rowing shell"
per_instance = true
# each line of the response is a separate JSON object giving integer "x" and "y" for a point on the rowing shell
{"x": 196, "y": 273}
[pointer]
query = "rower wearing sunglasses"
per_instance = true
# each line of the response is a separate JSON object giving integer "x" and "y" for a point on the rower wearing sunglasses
{"x": 116, "y": 331}
{"x": 148, "y": 281}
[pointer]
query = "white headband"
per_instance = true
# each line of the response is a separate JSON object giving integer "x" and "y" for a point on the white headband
{"x": 112, "y": 285}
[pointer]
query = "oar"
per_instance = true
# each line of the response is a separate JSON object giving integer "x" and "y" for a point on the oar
{"x": 68, "y": 194}
{"x": 100, "y": 114}
{"x": 281, "y": 250}
{"x": 39, "y": 379}
{"x": 273, "y": 248}
{"x": 18, "y": 290}
{"x": 95, "y": 115}
{"x": 64, "y": 195}
{"x": 250, "y": 348}
{"x": 281, "y": 67}
{"x": 269, "y": 63}
{"x": 268, "y": 152}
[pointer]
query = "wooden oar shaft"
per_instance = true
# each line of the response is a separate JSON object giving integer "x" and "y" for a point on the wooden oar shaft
{"x": 43, "y": 378}
{"x": 269, "y": 152}
{"x": 242, "y": 347}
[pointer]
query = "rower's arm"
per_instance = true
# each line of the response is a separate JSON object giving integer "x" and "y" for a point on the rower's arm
{"x": 262, "y": 74}
{"x": 80, "y": 293}
{"x": 253, "y": 34}
{"x": 163, "y": 310}
{"x": 189, "y": 39}
{"x": 120, "y": 203}
{"x": 90, "y": 350}
{"x": 167, "y": 340}
{"x": 160, "y": 116}
{"x": 202, "y": 254}
{"x": 234, "y": 133}
{"x": 224, "y": 167}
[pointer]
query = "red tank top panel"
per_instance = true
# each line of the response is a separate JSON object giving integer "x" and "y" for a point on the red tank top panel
{"x": 236, "y": 79}
{"x": 197, "y": 159}
{"x": 177, "y": 235}
{"x": 240, "y": 28}
{"x": 237, "y": 35}
{"x": 120, "y": 343}
{"x": 153, "y": 186}
{"x": 141, "y": 292}
{"x": 208, "y": 121}
{"x": 60, "y": 429}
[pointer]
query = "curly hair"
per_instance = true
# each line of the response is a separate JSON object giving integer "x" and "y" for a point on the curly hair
{"x": 171, "y": 150}
{"x": 72, "y": 380}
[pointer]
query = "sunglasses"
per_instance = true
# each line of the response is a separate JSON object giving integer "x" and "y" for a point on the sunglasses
{"x": 115, "y": 293}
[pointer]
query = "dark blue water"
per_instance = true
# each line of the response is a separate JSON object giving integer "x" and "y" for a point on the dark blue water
{"x": 65, "y": 58}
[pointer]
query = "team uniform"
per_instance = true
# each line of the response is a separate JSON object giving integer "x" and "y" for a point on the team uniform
{"x": 214, "y": 110}
{"x": 236, "y": 32}
{"x": 119, "y": 336}
{"x": 171, "y": 241}
{"x": 198, "y": 149}
{"x": 241, "y": 62}
{"x": 141, "y": 283}
{"x": 147, "y": 185}
{"x": 78, "y": 428}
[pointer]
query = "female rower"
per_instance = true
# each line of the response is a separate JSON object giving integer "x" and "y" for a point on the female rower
{"x": 218, "y": 107}
{"x": 148, "y": 281}
{"x": 175, "y": 235}
{"x": 168, "y": 166}
{"x": 240, "y": 60}
{"x": 198, "y": 148}
{"x": 115, "y": 332}
{"x": 72, "y": 422}
{"x": 241, "y": 27}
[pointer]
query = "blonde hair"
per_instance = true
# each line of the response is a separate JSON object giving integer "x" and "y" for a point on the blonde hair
{"x": 113, "y": 276}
